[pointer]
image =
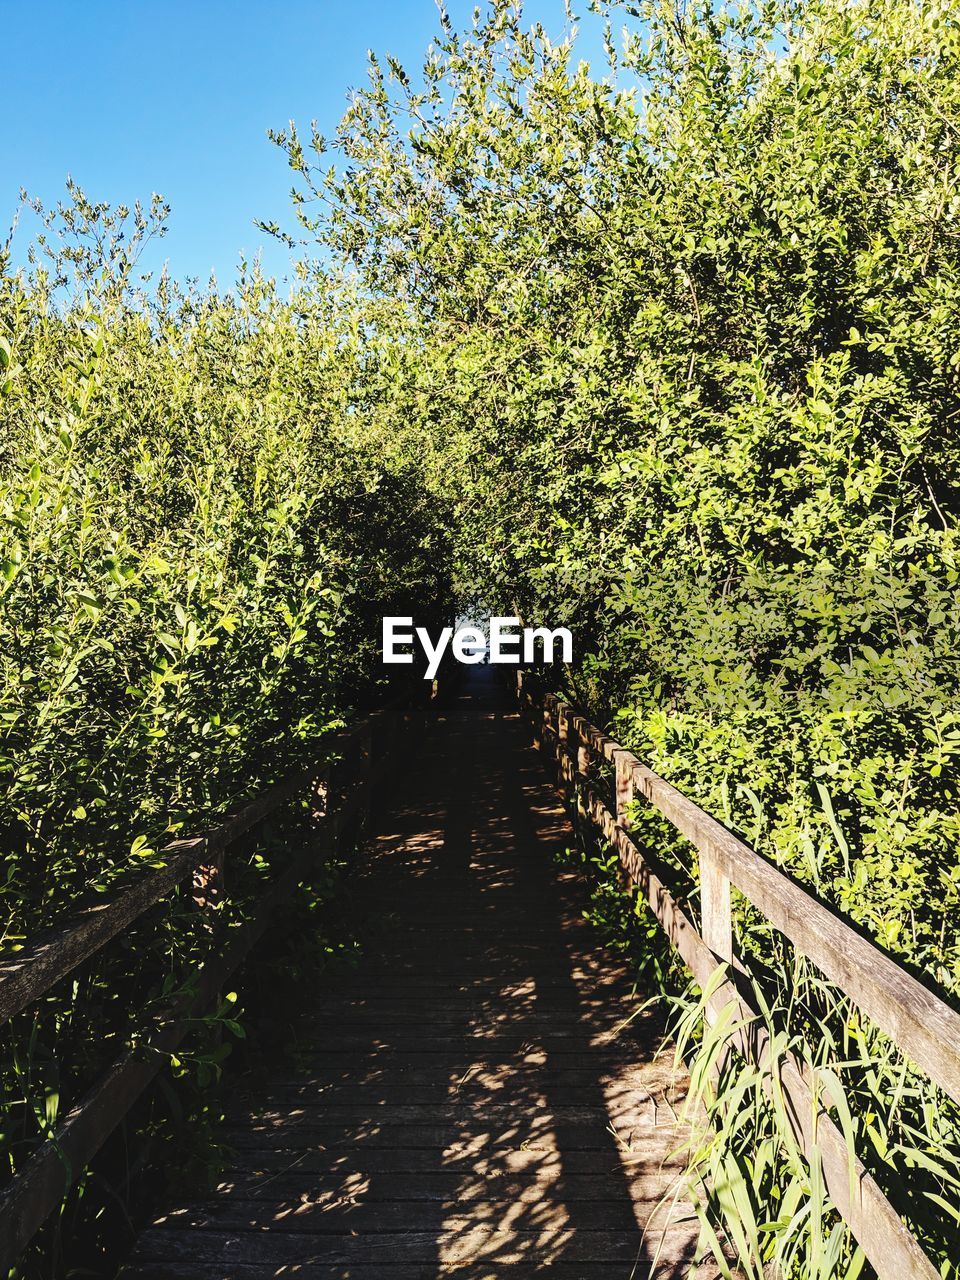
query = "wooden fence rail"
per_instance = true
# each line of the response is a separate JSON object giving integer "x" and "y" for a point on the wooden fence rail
{"x": 925, "y": 1028}
{"x": 341, "y": 792}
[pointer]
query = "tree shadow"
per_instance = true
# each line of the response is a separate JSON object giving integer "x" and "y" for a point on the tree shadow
{"x": 470, "y": 1101}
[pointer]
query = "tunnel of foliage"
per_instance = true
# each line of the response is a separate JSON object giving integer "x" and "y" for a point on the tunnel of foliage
{"x": 666, "y": 355}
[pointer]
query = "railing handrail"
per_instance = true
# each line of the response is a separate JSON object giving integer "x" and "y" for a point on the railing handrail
{"x": 925, "y": 1027}
{"x": 53, "y": 954}
{"x": 38, "y": 1187}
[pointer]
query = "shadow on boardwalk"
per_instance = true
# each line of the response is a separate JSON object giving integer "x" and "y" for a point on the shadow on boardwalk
{"x": 471, "y": 1102}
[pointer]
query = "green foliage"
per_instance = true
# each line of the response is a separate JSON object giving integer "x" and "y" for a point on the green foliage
{"x": 202, "y": 520}
{"x": 199, "y": 537}
{"x": 688, "y": 337}
{"x": 667, "y": 357}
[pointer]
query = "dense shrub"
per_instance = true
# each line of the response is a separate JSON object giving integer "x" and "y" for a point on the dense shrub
{"x": 201, "y": 523}
{"x": 667, "y": 357}
{"x": 202, "y": 526}
{"x": 692, "y": 332}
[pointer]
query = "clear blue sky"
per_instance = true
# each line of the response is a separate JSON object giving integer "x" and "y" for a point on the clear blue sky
{"x": 174, "y": 96}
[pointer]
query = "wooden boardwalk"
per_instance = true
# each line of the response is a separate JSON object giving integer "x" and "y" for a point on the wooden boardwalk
{"x": 472, "y": 1104}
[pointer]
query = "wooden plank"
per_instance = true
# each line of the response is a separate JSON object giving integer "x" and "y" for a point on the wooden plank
{"x": 340, "y": 1215}
{"x": 440, "y": 1055}
{"x": 884, "y": 1238}
{"x": 564, "y": 1084}
{"x": 589, "y": 1010}
{"x": 454, "y": 1185}
{"x": 187, "y": 1268}
{"x": 504, "y": 1161}
{"x": 444, "y": 1096}
{"x": 178, "y": 1264}
{"x": 55, "y": 953}
{"x": 448, "y": 1140}
{"x": 305, "y": 1114}
{"x": 461, "y": 1244}
{"x": 434, "y": 1026}
{"x": 590, "y": 985}
{"x": 479, "y": 1044}
{"x": 925, "y": 1028}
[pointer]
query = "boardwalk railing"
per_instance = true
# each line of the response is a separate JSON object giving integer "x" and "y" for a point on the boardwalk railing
{"x": 924, "y": 1027}
{"x": 339, "y": 795}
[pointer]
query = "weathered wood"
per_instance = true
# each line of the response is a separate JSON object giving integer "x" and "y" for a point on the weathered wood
{"x": 55, "y": 953}
{"x": 464, "y": 1246}
{"x": 715, "y": 910}
{"x": 885, "y": 1240}
{"x": 434, "y": 1089}
{"x": 883, "y": 1236}
{"x": 406, "y": 1189}
{"x": 521, "y": 1161}
{"x": 925, "y": 1028}
{"x": 447, "y": 1115}
{"x": 179, "y": 1264}
{"x": 716, "y": 923}
{"x": 40, "y": 1185}
{"x": 455, "y": 1004}
{"x": 470, "y": 1054}
{"x": 320, "y": 1218}
{"x": 581, "y": 754}
{"x": 623, "y": 783}
{"x": 421, "y": 1042}
{"x": 435, "y": 1021}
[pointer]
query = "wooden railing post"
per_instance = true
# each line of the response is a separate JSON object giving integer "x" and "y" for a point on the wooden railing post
{"x": 563, "y": 743}
{"x": 366, "y": 778}
{"x": 538, "y": 716}
{"x": 583, "y": 749}
{"x": 623, "y": 764}
{"x": 579, "y": 762}
{"x": 207, "y": 889}
{"x": 716, "y": 919}
{"x": 320, "y": 795}
{"x": 715, "y": 909}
